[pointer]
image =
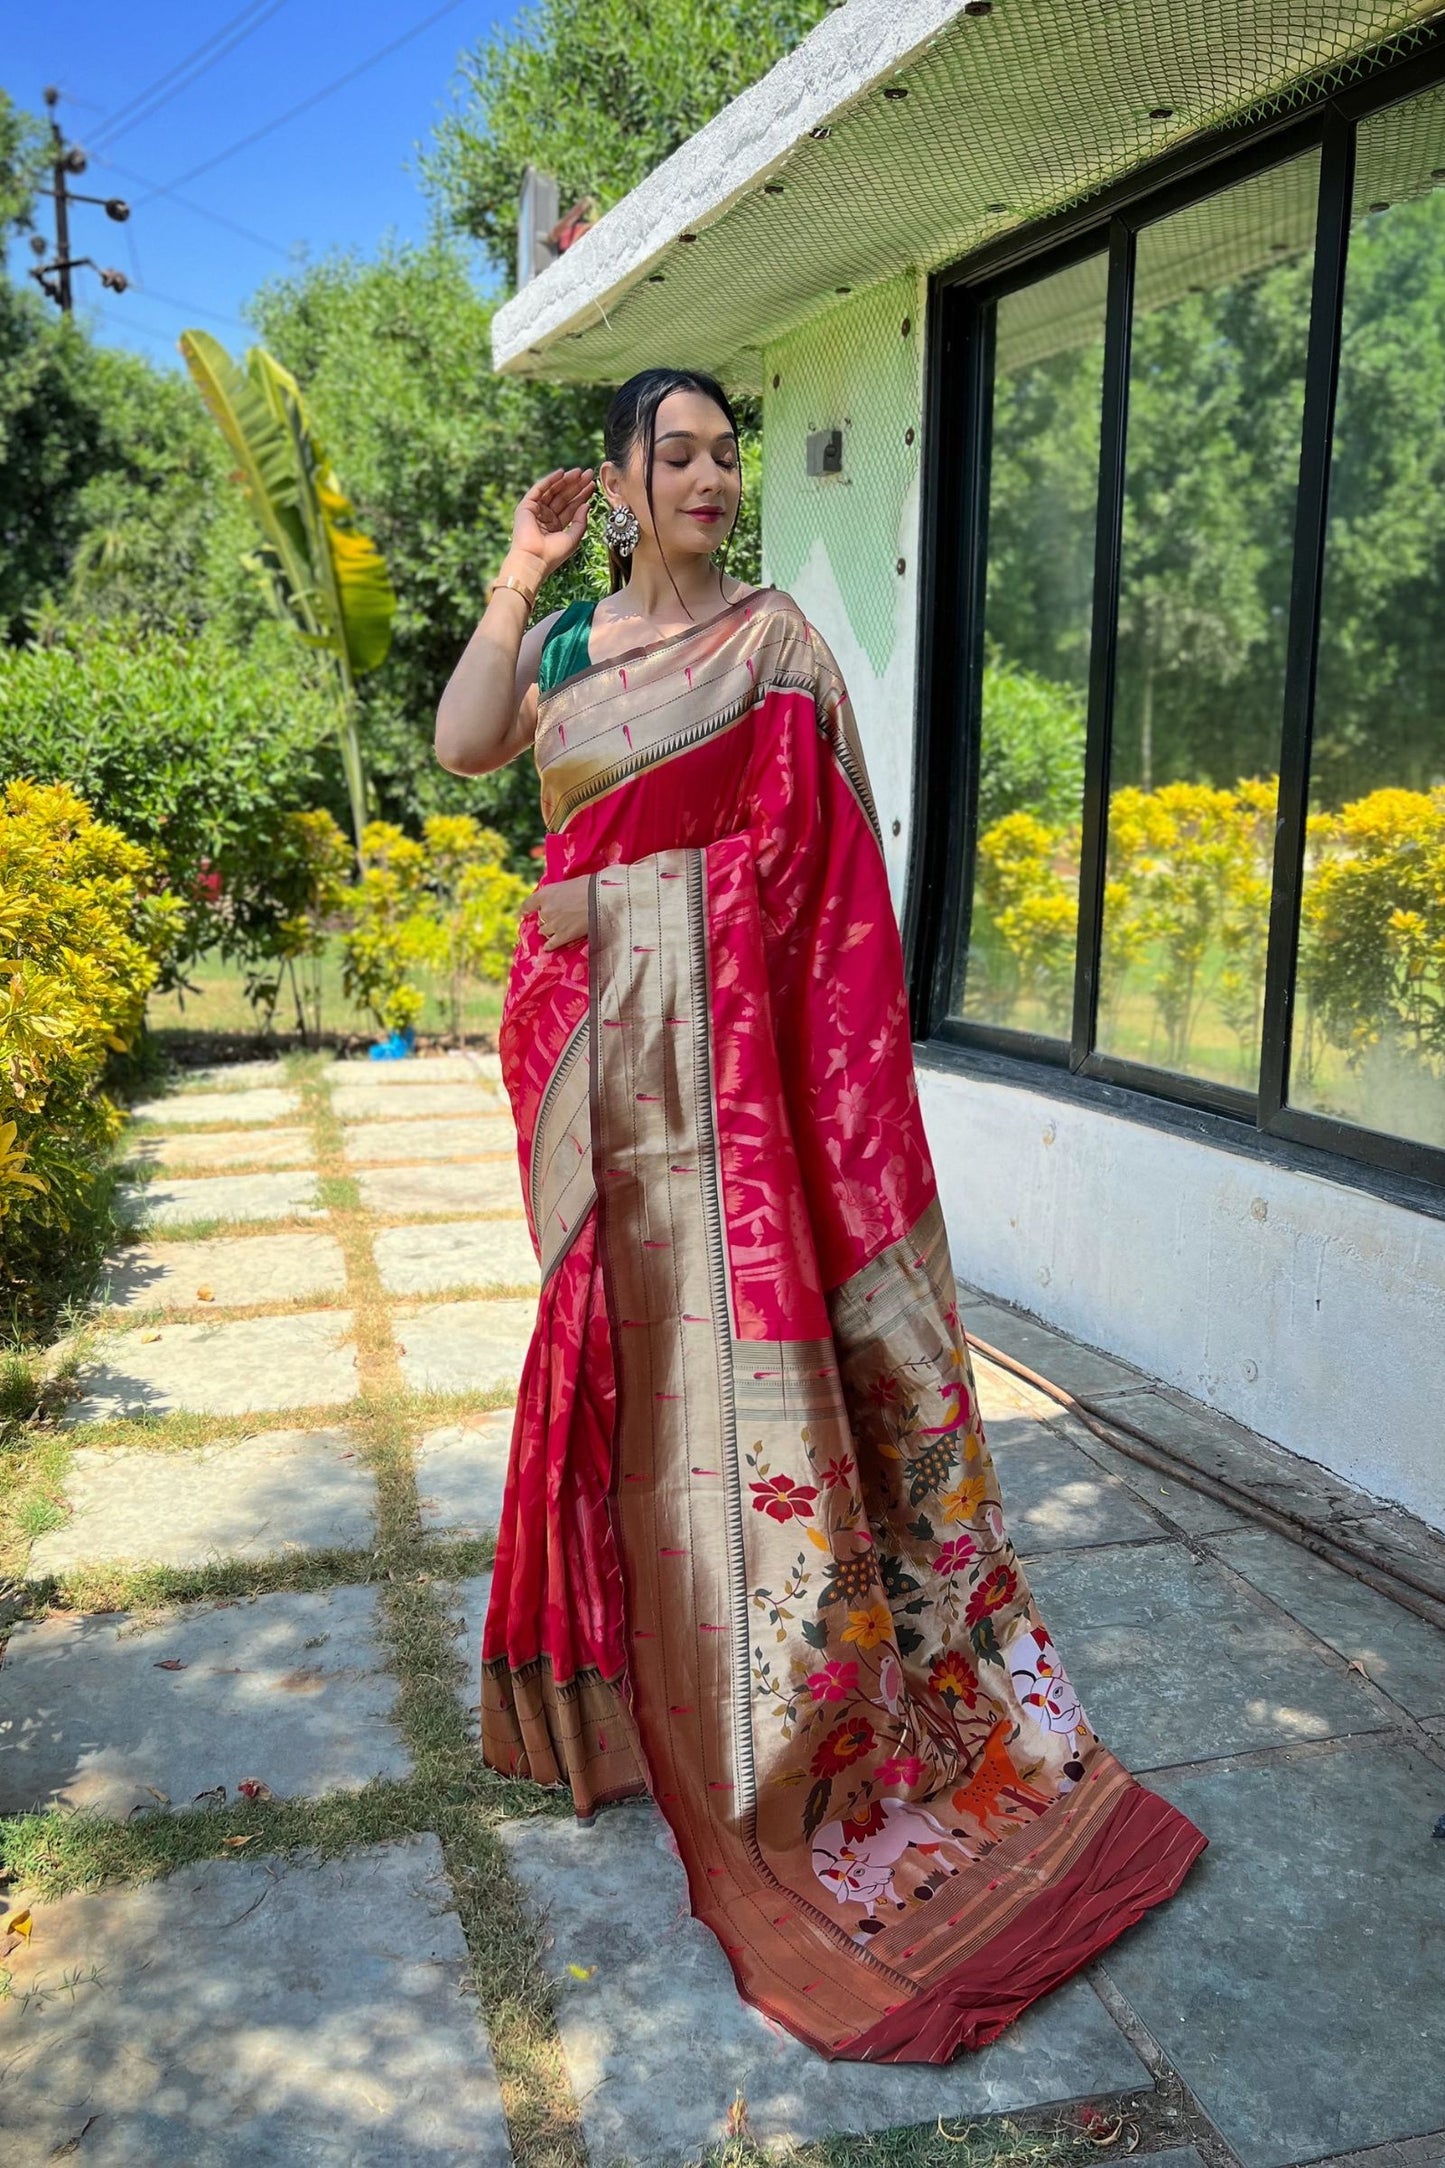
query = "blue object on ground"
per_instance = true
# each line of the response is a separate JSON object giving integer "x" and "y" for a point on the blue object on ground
{"x": 396, "y": 1047}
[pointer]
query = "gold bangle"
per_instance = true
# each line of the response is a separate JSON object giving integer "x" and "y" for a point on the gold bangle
{"x": 506, "y": 580}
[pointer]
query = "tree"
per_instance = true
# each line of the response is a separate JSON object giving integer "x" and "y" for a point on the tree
{"x": 597, "y": 93}
{"x": 395, "y": 355}
{"x": 327, "y": 579}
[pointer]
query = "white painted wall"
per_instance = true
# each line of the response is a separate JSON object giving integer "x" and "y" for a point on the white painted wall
{"x": 883, "y": 705}
{"x": 1300, "y": 1306}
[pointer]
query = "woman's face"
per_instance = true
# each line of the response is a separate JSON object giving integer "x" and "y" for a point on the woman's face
{"x": 695, "y": 478}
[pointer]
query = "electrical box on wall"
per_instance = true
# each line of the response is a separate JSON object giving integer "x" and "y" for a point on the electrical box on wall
{"x": 825, "y": 451}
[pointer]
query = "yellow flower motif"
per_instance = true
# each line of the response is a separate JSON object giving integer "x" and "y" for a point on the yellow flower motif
{"x": 867, "y": 1628}
{"x": 964, "y": 1500}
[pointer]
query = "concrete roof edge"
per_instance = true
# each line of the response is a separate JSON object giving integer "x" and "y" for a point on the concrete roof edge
{"x": 841, "y": 57}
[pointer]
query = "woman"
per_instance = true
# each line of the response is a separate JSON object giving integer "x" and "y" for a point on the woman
{"x": 752, "y": 1558}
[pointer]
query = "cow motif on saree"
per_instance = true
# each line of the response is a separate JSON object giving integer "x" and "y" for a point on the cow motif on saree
{"x": 753, "y": 1558}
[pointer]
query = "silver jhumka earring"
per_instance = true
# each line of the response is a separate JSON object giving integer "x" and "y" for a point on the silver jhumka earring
{"x": 621, "y": 528}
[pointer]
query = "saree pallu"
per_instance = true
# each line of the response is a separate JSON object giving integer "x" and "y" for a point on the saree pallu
{"x": 752, "y": 1557}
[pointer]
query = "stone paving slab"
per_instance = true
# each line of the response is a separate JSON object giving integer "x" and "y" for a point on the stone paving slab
{"x": 1174, "y": 1663}
{"x": 1001, "y": 1394}
{"x": 245, "y": 1074}
{"x": 453, "y": 1347}
{"x": 285, "y": 1490}
{"x": 461, "y": 1471}
{"x": 1403, "y": 2153}
{"x": 454, "y": 1066}
{"x": 1403, "y": 1654}
{"x": 658, "y": 2040}
{"x": 1065, "y": 1362}
{"x": 1191, "y": 1510}
{"x": 291, "y": 1688}
{"x": 425, "y": 1259}
{"x": 271, "y": 1147}
{"x": 381, "y": 1102}
{"x": 467, "y": 1608}
{"x": 432, "y": 1137}
{"x": 266, "y": 1103}
{"x": 236, "y": 1268}
{"x": 227, "y": 1368}
{"x": 267, "y": 2011}
{"x": 482, "y": 1185}
{"x": 172, "y": 1200}
{"x": 1297, "y": 1980}
{"x": 1055, "y": 1499}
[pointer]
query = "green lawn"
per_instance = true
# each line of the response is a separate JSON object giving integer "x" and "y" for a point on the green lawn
{"x": 219, "y": 1011}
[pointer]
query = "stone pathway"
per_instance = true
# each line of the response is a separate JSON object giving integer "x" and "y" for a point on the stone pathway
{"x": 306, "y": 1926}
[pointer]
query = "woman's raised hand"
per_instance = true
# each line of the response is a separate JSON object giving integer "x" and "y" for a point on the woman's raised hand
{"x": 549, "y": 521}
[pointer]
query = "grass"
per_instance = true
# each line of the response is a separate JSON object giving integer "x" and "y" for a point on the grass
{"x": 217, "y": 1005}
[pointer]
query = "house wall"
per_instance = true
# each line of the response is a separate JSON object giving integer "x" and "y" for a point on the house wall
{"x": 835, "y": 542}
{"x": 1306, "y": 1308}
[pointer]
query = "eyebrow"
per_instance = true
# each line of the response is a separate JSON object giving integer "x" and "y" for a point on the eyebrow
{"x": 691, "y": 433}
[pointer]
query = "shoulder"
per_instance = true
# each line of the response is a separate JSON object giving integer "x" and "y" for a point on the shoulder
{"x": 795, "y": 633}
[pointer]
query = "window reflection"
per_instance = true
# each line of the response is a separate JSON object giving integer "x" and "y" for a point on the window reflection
{"x": 1216, "y": 393}
{"x": 1369, "y": 1037}
{"x": 1043, "y": 480}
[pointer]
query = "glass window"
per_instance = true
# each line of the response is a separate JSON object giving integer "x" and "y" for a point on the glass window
{"x": 1043, "y": 485}
{"x": 1220, "y": 329}
{"x": 1369, "y": 1030}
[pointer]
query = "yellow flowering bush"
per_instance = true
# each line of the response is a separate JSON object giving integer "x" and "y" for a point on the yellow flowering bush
{"x": 1189, "y": 872}
{"x": 392, "y": 931}
{"x": 1186, "y": 911}
{"x": 444, "y": 904}
{"x": 476, "y": 902}
{"x": 1372, "y": 955}
{"x": 84, "y": 935}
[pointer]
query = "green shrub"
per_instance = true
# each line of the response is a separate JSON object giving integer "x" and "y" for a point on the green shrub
{"x": 196, "y": 752}
{"x": 1032, "y": 750}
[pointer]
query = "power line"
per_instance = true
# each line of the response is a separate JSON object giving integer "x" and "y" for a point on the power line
{"x": 207, "y": 53}
{"x": 306, "y": 104}
{"x": 199, "y": 210}
{"x": 191, "y": 308}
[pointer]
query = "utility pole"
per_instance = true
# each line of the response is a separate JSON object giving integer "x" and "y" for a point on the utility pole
{"x": 54, "y": 277}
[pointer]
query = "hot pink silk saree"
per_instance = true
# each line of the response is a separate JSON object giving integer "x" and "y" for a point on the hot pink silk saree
{"x": 752, "y": 1557}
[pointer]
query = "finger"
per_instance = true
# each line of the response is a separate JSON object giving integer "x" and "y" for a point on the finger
{"x": 543, "y": 482}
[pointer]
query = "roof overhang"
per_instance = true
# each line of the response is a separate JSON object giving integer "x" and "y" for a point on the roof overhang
{"x": 903, "y": 133}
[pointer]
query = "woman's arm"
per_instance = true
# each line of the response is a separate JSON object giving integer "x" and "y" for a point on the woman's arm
{"x": 488, "y": 712}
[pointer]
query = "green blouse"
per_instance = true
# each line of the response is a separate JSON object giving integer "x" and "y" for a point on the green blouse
{"x": 564, "y": 651}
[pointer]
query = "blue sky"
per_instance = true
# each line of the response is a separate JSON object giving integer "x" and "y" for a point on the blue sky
{"x": 339, "y": 176}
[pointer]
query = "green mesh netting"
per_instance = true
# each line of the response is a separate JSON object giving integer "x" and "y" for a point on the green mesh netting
{"x": 1008, "y": 116}
{"x": 857, "y": 370}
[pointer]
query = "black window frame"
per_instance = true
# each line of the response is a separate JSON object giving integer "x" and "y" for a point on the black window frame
{"x": 957, "y": 394}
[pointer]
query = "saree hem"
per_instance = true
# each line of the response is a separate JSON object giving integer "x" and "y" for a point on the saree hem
{"x": 578, "y": 1732}
{"x": 1136, "y": 1861}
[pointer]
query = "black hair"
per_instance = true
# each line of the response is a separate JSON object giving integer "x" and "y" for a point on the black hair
{"x": 631, "y": 420}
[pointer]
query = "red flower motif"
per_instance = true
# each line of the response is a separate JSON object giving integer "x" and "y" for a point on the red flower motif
{"x": 994, "y": 1591}
{"x": 866, "y": 1824}
{"x": 845, "y": 1744}
{"x": 884, "y": 1389}
{"x": 955, "y": 1556}
{"x": 835, "y": 1682}
{"x": 953, "y": 1680}
{"x": 782, "y": 1499}
{"x": 838, "y": 1473}
{"x": 899, "y": 1769}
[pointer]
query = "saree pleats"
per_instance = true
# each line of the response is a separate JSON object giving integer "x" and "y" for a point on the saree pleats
{"x": 753, "y": 1552}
